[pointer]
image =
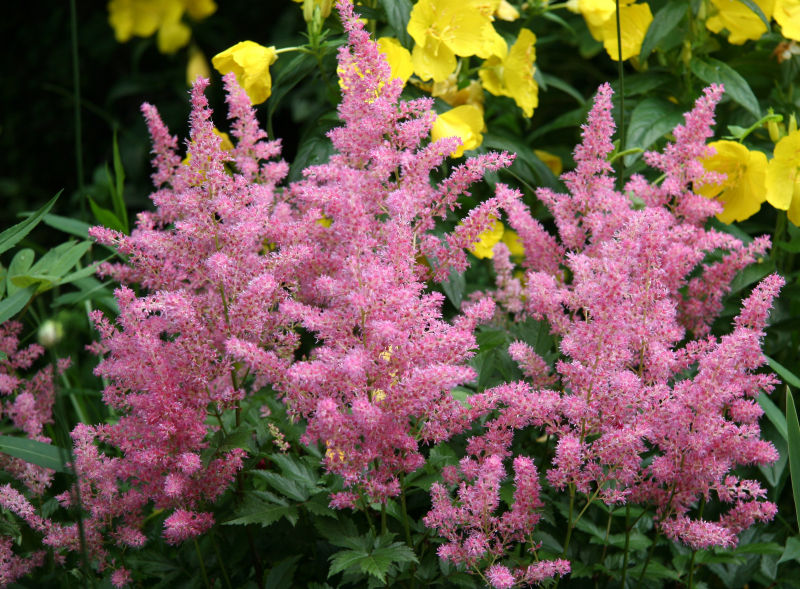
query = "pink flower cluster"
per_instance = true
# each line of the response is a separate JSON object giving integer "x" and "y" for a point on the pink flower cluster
{"x": 648, "y": 408}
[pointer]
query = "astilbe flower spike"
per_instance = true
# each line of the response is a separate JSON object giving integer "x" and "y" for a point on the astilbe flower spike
{"x": 377, "y": 384}
{"x": 624, "y": 305}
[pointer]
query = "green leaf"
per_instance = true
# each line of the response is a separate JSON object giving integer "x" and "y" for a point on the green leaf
{"x": 757, "y": 9}
{"x": 15, "y": 303}
{"x": 787, "y": 375}
{"x": 255, "y": 510}
{"x": 713, "y": 71}
{"x": 751, "y": 274}
{"x": 376, "y": 562}
{"x": 773, "y": 413}
{"x": 794, "y": 451}
{"x": 105, "y": 217}
{"x": 61, "y": 259}
{"x": 38, "y": 453}
{"x": 287, "y": 487}
{"x": 454, "y": 288}
{"x": 19, "y": 266}
{"x": 286, "y": 77}
{"x": 654, "y": 570}
{"x": 293, "y": 468}
{"x": 664, "y": 21}
{"x": 281, "y": 576}
{"x": 651, "y": 119}
{"x": 11, "y": 236}
{"x": 560, "y": 84}
{"x": 117, "y": 194}
{"x": 397, "y": 14}
{"x": 792, "y": 550}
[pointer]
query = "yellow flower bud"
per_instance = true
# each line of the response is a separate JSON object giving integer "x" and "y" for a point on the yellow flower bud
{"x": 250, "y": 62}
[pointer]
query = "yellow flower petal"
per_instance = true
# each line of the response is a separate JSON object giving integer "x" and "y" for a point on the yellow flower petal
{"x": 787, "y": 14}
{"x": 433, "y": 61}
{"x": 487, "y": 240}
{"x": 512, "y": 75}
{"x": 464, "y": 122}
{"x": 783, "y": 190}
{"x": 399, "y": 58}
{"x": 550, "y": 160}
{"x": 172, "y": 34}
{"x": 634, "y": 22}
{"x": 449, "y": 92}
{"x": 511, "y": 239}
{"x": 742, "y": 23}
{"x": 134, "y": 17}
{"x": 200, "y": 9}
{"x": 250, "y": 62}
{"x": 458, "y": 24}
{"x": 197, "y": 66}
{"x": 506, "y": 11}
{"x": 744, "y": 188}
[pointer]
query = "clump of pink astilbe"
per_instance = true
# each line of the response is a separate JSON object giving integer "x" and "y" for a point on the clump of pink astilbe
{"x": 612, "y": 290}
{"x": 212, "y": 284}
{"x": 476, "y": 535}
{"x": 377, "y": 383}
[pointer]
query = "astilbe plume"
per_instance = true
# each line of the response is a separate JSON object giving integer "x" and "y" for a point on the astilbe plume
{"x": 26, "y": 406}
{"x": 621, "y": 292}
{"x": 377, "y": 383}
{"x": 211, "y": 284}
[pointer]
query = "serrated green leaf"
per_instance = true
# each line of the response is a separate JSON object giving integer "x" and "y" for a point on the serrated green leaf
{"x": 11, "y": 236}
{"x": 257, "y": 511}
{"x": 295, "y": 469}
{"x": 651, "y": 120}
{"x": 15, "y": 303}
{"x": 336, "y": 531}
{"x": 664, "y": 21}
{"x": 713, "y": 71}
{"x": 283, "y": 485}
{"x": 793, "y": 429}
{"x": 38, "y": 453}
{"x": 281, "y": 576}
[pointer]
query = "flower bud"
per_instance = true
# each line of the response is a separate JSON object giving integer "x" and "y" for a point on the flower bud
{"x": 50, "y": 333}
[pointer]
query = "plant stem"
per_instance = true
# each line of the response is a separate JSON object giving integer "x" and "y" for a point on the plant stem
{"x": 627, "y": 544}
{"x": 221, "y": 562}
{"x": 647, "y": 562}
{"x": 202, "y": 564}
{"x": 76, "y": 100}
{"x": 406, "y": 527}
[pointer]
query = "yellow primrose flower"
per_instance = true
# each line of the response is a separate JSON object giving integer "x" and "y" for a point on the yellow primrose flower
{"x": 250, "y": 62}
{"x": 506, "y": 11}
{"x": 449, "y": 91}
{"x": 464, "y": 122}
{"x": 143, "y": 18}
{"x": 743, "y": 189}
{"x": 309, "y": 6}
{"x": 550, "y": 160}
{"x": 514, "y": 245}
{"x": 398, "y": 57}
{"x": 783, "y": 176}
{"x": 634, "y": 20}
{"x": 443, "y": 29}
{"x": 483, "y": 248}
{"x": 787, "y": 14}
{"x": 742, "y": 23}
{"x": 512, "y": 74}
{"x": 197, "y": 66}
{"x": 594, "y": 12}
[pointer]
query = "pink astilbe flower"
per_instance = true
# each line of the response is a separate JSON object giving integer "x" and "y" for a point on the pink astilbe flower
{"x": 213, "y": 287}
{"x": 622, "y": 298}
{"x": 378, "y": 382}
{"x": 476, "y": 535}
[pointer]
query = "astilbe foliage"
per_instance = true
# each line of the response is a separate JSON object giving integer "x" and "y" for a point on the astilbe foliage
{"x": 646, "y": 407}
